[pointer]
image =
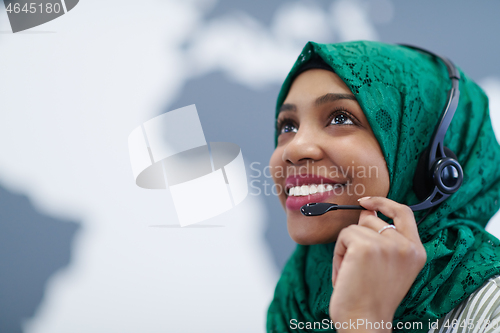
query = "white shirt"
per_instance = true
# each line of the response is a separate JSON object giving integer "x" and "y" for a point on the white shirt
{"x": 479, "y": 313}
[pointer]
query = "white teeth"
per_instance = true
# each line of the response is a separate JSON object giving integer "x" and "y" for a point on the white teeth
{"x": 311, "y": 189}
{"x": 297, "y": 191}
{"x": 304, "y": 190}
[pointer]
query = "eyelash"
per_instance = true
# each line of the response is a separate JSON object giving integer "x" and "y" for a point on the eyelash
{"x": 337, "y": 111}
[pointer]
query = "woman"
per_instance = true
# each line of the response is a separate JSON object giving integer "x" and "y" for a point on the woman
{"x": 345, "y": 110}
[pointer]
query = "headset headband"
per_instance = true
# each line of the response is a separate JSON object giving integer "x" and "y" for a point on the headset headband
{"x": 436, "y": 150}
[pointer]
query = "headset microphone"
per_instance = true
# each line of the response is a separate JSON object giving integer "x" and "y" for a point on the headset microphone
{"x": 438, "y": 174}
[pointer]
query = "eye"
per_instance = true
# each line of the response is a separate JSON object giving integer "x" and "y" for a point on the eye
{"x": 286, "y": 126}
{"x": 341, "y": 117}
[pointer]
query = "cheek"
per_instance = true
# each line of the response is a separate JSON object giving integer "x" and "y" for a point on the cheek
{"x": 277, "y": 169}
{"x": 276, "y": 165}
{"x": 362, "y": 158}
{"x": 374, "y": 168}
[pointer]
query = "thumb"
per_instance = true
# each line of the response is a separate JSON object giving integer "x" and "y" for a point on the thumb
{"x": 366, "y": 213}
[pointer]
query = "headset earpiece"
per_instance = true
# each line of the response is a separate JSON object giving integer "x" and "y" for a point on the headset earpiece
{"x": 448, "y": 173}
{"x": 423, "y": 180}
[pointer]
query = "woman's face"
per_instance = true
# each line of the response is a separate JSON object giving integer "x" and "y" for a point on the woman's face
{"x": 328, "y": 153}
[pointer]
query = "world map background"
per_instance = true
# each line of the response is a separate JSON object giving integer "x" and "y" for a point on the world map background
{"x": 85, "y": 250}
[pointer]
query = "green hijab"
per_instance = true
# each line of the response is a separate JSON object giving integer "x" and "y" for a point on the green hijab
{"x": 402, "y": 93}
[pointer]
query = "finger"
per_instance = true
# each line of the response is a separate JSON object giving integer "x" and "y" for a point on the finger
{"x": 367, "y": 212}
{"x": 402, "y": 215}
{"x": 353, "y": 237}
{"x": 366, "y": 216}
{"x": 352, "y": 234}
{"x": 338, "y": 254}
{"x": 337, "y": 261}
{"x": 373, "y": 223}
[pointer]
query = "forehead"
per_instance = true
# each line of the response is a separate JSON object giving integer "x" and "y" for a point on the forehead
{"x": 315, "y": 82}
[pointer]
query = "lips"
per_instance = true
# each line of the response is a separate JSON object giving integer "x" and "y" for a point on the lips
{"x": 295, "y": 202}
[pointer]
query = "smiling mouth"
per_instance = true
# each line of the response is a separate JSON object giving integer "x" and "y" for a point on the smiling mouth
{"x": 299, "y": 196}
{"x": 306, "y": 190}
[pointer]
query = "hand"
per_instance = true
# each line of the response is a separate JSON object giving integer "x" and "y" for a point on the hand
{"x": 372, "y": 272}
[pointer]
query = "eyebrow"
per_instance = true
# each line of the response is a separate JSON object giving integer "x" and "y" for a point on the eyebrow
{"x": 330, "y": 97}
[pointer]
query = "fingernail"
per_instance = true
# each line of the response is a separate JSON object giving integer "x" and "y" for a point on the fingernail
{"x": 363, "y": 198}
{"x": 375, "y": 212}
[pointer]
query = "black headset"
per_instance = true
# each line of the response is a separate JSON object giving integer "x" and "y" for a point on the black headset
{"x": 439, "y": 174}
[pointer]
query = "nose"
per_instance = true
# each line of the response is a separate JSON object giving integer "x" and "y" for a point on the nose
{"x": 304, "y": 147}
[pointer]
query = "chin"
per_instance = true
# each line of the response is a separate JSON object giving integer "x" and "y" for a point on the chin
{"x": 309, "y": 236}
{"x": 320, "y": 229}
